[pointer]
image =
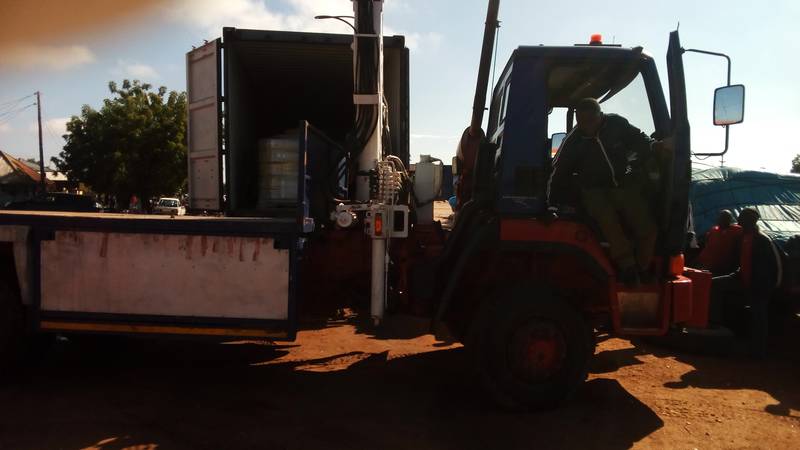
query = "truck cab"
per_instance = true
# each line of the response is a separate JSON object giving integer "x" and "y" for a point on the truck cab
{"x": 624, "y": 80}
{"x": 547, "y": 284}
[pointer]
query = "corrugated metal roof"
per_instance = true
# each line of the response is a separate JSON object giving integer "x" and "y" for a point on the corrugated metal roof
{"x": 51, "y": 174}
{"x": 20, "y": 168}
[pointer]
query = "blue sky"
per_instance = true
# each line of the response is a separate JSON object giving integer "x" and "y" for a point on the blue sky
{"x": 445, "y": 38}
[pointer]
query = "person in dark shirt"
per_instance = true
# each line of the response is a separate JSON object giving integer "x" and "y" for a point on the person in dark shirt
{"x": 751, "y": 284}
{"x": 606, "y": 159}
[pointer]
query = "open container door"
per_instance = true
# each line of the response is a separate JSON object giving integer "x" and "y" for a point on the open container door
{"x": 679, "y": 181}
{"x": 204, "y": 137}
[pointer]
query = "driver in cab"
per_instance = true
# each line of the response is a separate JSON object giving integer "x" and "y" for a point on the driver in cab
{"x": 608, "y": 162}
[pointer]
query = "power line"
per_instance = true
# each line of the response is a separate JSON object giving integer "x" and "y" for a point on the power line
{"x": 15, "y": 101}
{"x": 59, "y": 140}
{"x": 8, "y": 115}
{"x": 17, "y": 110}
{"x": 50, "y": 131}
{"x": 11, "y": 105}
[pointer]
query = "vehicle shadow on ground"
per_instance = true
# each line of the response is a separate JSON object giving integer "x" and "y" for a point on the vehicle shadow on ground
{"x": 609, "y": 361}
{"x": 119, "y": 393}
{"x": 775, "y": 375}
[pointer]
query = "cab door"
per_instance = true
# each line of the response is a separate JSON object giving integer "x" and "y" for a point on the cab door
{"x": 677, "y": 203}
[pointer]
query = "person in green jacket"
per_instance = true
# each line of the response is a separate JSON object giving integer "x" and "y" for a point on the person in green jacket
{"x": 612, "y": 164}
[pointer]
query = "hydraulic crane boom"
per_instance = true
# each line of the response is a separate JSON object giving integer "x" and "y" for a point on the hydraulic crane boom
{"x": 471, "y": 138}
{"x": 489, "y": 33}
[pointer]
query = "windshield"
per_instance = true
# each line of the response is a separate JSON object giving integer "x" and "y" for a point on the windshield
{"x": 169, "y": 203}
{"x": 631, "y": 103}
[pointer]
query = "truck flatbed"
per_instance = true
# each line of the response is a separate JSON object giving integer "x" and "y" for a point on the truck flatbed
{"x": 155, "y": 274}
{"x": 152, "y": 223}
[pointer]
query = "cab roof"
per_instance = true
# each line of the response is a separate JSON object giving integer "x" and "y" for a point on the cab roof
{"x": 582, "y": 71}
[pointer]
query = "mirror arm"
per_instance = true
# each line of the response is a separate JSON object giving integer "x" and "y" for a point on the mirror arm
{"x": 727, "y": 127}
{"x": 725, "y": 150}
{"x": 706, "y": 52}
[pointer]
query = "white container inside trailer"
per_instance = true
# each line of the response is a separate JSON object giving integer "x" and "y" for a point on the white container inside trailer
{"x": 277, "y": 171}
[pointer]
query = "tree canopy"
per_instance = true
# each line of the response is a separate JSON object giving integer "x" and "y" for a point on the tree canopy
{"x": 796, "y": 164}
{"x": 134, "y": 145}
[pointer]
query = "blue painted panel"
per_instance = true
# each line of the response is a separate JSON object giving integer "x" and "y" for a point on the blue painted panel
{"x": 523, "y": 159}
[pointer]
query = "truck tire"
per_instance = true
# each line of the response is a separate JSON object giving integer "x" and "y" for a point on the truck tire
{"x": 11, "y": 326}
{"x": 530, "y": 350}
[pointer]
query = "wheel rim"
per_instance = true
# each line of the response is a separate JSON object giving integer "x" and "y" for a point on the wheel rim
{"x": 537, "y": 351}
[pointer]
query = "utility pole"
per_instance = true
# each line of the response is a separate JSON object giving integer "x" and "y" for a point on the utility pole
{"x": 42, "y": 175}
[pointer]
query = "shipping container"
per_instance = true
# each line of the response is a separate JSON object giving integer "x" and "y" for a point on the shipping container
{"x": 263, "y": 84}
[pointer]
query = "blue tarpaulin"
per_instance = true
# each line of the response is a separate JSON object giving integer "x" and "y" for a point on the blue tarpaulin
{"x": 776, "y": 198}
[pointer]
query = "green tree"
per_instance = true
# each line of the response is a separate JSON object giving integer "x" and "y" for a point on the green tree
{"x": 134, "y": 145}
{"x": 796, "y": 164}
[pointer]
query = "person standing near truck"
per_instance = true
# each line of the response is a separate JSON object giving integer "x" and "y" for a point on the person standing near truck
{"x": 608, "y": 160}
{"x": 752, "y": 284}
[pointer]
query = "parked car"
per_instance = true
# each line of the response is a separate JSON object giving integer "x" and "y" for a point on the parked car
{"x": 170, "y": 206}
{"x": 57, "y": 201}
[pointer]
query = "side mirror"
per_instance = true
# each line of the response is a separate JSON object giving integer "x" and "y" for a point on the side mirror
{"x": 555, "y": 142}
{"x": 456, "y": 166}
{"x": 729, "y": 105}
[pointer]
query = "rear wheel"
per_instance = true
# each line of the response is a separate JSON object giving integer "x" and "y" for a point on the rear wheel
{"x": 530, "y": 349}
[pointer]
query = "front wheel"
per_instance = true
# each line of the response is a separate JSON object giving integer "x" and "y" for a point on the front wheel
{"x": 530, "y": 349}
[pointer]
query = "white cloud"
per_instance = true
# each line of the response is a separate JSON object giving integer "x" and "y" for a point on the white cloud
{"x": 418, "y": 41}
{"x": 58, "y": 125}
{"x": 212, "y": 15}
{"x": 134, "y": 70}
{"x": 5, "y": 128}
{"x": 53, "y": 57}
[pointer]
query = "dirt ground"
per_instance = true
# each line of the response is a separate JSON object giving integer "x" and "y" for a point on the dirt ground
{"x": 341, "y": 387}
{"x": 337, "y": 387}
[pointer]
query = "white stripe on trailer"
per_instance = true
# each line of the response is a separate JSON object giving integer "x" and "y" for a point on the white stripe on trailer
{"x": 165, "y": 275}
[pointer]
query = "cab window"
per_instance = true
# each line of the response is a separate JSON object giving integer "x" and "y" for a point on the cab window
{"x": 631, "y": 103}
